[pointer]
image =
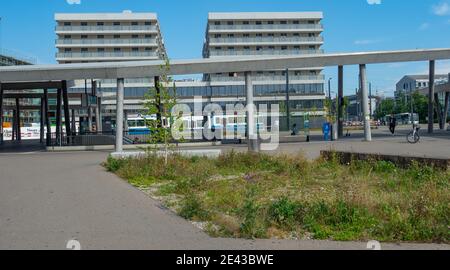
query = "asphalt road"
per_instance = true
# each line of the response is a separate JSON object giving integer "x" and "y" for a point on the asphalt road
{"x": 47, "y": 199}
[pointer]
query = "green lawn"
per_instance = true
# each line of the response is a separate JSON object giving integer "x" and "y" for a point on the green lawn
{"x": 268, "y": 196}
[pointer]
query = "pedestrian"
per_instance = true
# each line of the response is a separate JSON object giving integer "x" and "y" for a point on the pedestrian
{"x": 294, "y": 130}
{"x": 392, "y": 124}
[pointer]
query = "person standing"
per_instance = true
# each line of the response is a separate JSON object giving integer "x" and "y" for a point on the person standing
{"x": 392, "y": 124}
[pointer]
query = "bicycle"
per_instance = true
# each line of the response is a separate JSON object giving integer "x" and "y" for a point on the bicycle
{"x": 414, "y": 137}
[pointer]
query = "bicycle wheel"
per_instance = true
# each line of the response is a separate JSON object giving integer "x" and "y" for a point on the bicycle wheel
{"x": 413, "y": 137}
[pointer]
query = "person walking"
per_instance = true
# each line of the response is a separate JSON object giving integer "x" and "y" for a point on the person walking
{"x": 392, "y": 124}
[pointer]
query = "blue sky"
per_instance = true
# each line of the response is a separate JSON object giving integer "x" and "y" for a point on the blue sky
{"x": 350, "y": 25}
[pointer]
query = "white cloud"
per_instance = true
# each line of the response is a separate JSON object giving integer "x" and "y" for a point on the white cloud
{"x": 73, "y": 2}
{"x": 374, "y": 2}
{"x": 441, "y": 9}
{"x": 424, "y": 26}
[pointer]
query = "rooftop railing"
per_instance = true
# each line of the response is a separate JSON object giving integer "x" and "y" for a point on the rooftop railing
{"x": 100, "y": 41}
{"x": 266, "y": 27}
{"x": 100, "y": 28}
{"x": 105, "y": 54}
{"x": 266, "y": 39}
{"x": 270, "y": 78}
{"x": 263, "y": 52}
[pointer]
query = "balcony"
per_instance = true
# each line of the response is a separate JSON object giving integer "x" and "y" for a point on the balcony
{"x": 265, "y": 40}
{"x": 106, "y": 42}
{"x": 107, "y": 28}
{"x": 267, "y": 27}
{"x": 263, "y": 52}
{"x": 269, "y": 78}
{"x": 93, "y": 56}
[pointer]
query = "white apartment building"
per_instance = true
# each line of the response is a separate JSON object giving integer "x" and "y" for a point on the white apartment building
{"x": 259, "y": 34}
{"x": 99, "y": 37}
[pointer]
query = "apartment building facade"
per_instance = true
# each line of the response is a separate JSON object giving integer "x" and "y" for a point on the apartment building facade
{"x": 83, "y": 38}
{"x": 265, "y": 34}
{"x": 100, "y": 37}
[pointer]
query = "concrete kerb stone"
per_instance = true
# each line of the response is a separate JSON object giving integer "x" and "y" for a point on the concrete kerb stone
{"x": 209, "y": 153}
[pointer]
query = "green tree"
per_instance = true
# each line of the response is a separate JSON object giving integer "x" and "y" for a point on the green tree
{"x": 159, "y": 101}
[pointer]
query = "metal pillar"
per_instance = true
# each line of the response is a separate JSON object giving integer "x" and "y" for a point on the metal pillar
{"x": 252, "y": 134}
{"x": 1, "y": 113}
{"x": 73, "y": 123}
{"x": 98, "y": 117}
{"x": 14, "y": 126}
{"x": 18, "y": 129}
{"x": 41, "y": 121}
{"x": 66, "y": 110}
{"x": 58, "y": 116}
{"x": 446, "y": 106}
{"x": 89, "y": 118}
{"x": 431, "y": 97}
{"x": 158, "y": 102}
{"x": 365, "y": 104}
{"x": 340, "y": 101}
{"x": 47, "y": 119}
{"x": 288, "y": 109}
{"x": 119, "y": 114}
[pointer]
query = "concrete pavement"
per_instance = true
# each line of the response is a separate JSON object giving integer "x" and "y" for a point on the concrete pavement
{"x": 47, "y": 199}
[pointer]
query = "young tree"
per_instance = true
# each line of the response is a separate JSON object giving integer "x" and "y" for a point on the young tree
{"x": 159, "y": 101}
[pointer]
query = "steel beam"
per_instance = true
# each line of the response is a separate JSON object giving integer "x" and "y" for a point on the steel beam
{"x": 66, "y": 109}
{"x": 252, "y": 134}
{"x": 47, "y": 119}
{"x": 119, "y": 114}
{"x": 18, "y": 129}
{"x": 431, "y": 97}
{"x": 340, "y": 101}
{"x": 58, "y": 117}
{"x": 365, "y": 104}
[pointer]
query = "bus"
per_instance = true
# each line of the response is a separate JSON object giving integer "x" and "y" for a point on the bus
{"x": 404, "y": 118}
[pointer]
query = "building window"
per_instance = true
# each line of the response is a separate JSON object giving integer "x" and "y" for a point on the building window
{"x": 296, "y": 22}
{"x": 217, "y": 35}
{"x": 246, "y": 22}
{"x": 216, "y": 23}
{"x": 84, "y": 49}
{"x": 135, "y": 36}
{"x": 135, "y": 49}
{"x": 246, "y": 48}
{"x": 116, "y": 23}
{"x": 258, "y": 22}
{"x": 231, "y": 35}
{"x": 116, "y": 36}
{"x": 258, "y": 48}
{"x": 270, "y": 22}
{"x": 134, "y": 23}
{"x": 117, "y": 49}
{"x": 148, "y": 36}
{"x": 230, "y": 48}
{"x": 283, "y": 48}
{"x": 283, "y": 22}
{"x": 230, "y": 23}
{"x": 84, "y": 36}
{"x": 148, "y": 23}
{"x": 67, "y": 50}
{"x": 84, "y": 24}
{"x": 100, "y": 23}
{"x": 246, "y": 35}
{"x": 67, "y": 24}
{"x": 283, "y": 34}
{"x": 259, "y": 35}
{"x": 67, "y": 36}
{"x": 100, "y": 36}
{"x": 100, "y": 49}
{"x": 148, "y": 49}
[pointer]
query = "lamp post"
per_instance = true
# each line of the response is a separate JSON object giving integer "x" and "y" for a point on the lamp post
{"x": 330, "y": 107}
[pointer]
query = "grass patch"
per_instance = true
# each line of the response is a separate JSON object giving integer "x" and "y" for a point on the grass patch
{"x": 264, "y": 196}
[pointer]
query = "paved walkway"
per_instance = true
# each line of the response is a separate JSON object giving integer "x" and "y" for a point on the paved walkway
{"x": 47, "y": 199}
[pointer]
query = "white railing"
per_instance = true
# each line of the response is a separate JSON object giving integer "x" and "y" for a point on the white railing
{"x": 266, "y": 27}
{"x": 101, "y": 28}
{"x": 263, "y": 52}
{"x": 105, "y": 54}
{"x": 271, "y": 78}
{"x": 266, "y": 39}
{"x": 102, "y": 41}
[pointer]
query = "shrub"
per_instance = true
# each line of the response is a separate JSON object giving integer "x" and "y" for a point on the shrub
{"x": 113, "y": 164}
{"x": 192, "y": 208}
{"x": 283, "y": 212}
